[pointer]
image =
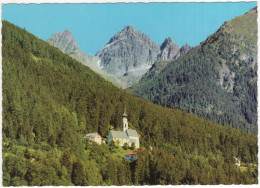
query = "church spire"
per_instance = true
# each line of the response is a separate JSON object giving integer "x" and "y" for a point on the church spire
{"x": 124, "y": 125}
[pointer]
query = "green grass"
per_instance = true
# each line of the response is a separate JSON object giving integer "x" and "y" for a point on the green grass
{"x": 34, "y": 58}
{"x": 248, "y": 27}
{"x": 244, "y": 169}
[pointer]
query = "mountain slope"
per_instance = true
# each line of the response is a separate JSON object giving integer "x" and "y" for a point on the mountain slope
{"x": 216, "y": 80}
{"x": 65, "y": 41}
{"x": 128, "y": 55}
{"x": 49, "y": 99}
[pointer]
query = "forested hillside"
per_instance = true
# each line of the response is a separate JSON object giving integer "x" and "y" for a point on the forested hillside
{"x": 217, "y": 80}
{"x": 49, "y": 99}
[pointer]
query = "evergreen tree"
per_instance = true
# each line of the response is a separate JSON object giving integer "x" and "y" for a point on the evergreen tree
{"x": 77, "y": 176}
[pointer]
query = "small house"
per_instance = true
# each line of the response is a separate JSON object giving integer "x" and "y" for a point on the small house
{"x": 93, "y": 137}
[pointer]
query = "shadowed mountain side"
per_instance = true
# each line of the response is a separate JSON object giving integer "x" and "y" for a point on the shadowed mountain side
{"x": 216, "y": 80}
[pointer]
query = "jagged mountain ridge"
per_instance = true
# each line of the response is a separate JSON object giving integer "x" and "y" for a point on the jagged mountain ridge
{"x": 130, "y": 54}
{"x": 161, "y": 63}
{"x": 216, "y": 80}
{"x": 125, "y": 58}
{"x": 168, "y": 55}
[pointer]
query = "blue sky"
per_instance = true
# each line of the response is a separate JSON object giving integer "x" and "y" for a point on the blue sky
{"x": 94, "y": 24}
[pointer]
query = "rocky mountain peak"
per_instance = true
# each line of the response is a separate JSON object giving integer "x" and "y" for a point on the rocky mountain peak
{"x": 66, "y": 32}
{"x": 64, "y": 40}
{"x": 185, "y": 49}
{"x": 167, "y": 42}
{"x": 128, "y": 55}
{"x": 126, "y": 33}
{"x": 128, "y": 28}
{"x": 168, "y": 49}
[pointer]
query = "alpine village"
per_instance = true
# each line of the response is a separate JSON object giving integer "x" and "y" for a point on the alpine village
{"x": 136, "y": 113}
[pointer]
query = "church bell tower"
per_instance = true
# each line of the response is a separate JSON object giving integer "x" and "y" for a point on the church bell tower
{"x": 124, "y": 125}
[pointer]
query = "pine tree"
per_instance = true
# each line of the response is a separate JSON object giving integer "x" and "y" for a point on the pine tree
{"x": 77, "y": 176}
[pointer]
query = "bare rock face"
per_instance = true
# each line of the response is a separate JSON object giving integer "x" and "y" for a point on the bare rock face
{"x": 184, "y": 50}
{"x": 168, "y": 49}
{"x": 64, "y": 41}
{"x": 128, "y": 55}
{"x": 170, "y": 52}
{"x": 226, "y": 78}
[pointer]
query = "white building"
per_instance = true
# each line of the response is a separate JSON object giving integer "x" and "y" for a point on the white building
{"x": 93, "y": 137}
{"x": 126, "y": 135}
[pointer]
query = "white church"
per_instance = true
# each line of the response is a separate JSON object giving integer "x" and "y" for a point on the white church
{"x": 126, "y": 135}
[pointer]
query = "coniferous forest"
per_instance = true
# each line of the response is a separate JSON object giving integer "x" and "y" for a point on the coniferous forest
{"x": 50, "y": 100}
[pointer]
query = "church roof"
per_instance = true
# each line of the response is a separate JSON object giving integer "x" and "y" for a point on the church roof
{"x": 119, "y": 134}
{"x": 131, "y": 132}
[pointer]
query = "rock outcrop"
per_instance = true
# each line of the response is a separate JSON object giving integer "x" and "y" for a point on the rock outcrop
{"x": 64, "y": 41}
{"x": 170, "y": 51}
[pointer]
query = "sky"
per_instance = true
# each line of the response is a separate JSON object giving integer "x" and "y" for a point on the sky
{"x": 93, "y": 25}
